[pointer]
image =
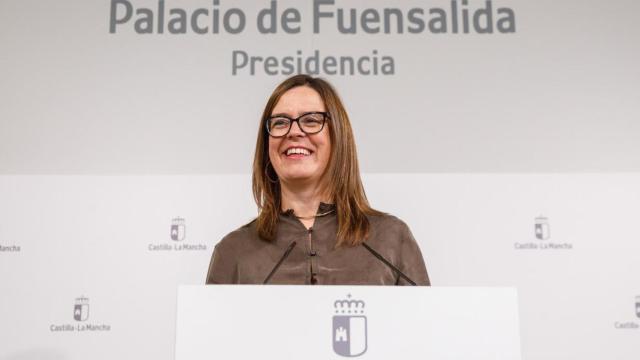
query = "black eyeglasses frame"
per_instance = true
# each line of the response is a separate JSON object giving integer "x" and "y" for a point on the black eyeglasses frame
{"x": 325, "y": 116}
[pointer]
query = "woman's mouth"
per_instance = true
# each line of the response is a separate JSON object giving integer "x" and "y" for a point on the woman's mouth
{"x": 297, "y": 153}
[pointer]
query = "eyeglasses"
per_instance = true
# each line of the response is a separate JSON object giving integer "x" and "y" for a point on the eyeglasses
{"x": 310, "y": 123}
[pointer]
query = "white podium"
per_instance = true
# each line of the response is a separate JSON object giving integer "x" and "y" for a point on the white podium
{"x": 337, "y": 322}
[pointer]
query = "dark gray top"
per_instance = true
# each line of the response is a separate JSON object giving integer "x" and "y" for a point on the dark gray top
{"x": 242, "y": 257}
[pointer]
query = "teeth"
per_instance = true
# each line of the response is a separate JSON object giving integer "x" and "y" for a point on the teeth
{"x": 298, "y": 151}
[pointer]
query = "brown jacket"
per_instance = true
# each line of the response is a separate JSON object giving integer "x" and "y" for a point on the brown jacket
{"x": 242, "y": 257}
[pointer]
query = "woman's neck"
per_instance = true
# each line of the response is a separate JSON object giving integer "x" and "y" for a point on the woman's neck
{"x": 303, "y": 201}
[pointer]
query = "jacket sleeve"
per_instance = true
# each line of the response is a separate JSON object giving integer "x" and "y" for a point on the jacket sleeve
{"x": 223, "y": 266}
{"x": 411, "y": 261}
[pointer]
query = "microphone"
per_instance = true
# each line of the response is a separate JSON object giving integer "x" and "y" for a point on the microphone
{"x": 386, "y": 262}
{"x": 284, "y": 256}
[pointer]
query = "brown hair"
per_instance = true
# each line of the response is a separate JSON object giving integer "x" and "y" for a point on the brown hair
{"x": 342, "y": 172}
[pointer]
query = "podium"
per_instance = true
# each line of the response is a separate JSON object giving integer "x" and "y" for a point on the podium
{"x": 337, "y": 322}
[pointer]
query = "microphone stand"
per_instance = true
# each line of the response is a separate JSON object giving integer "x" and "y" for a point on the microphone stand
{"x": 381, "y": 258}
{"x": 284, "y": 256}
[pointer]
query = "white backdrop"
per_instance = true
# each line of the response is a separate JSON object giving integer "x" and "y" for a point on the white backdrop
{"x": 89, "y": 236}
{"x": 559, "y": 94}
{"x": 107, "y": 137}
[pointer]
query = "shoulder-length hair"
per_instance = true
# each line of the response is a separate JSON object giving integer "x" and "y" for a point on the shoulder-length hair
{"x": 342, "y": 175}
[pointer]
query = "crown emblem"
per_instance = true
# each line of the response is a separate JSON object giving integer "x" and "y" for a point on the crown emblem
{"x": 349, "y": 306}
{"x": 82, "y": 300}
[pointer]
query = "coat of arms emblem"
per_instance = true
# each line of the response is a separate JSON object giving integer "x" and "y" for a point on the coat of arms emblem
{"x": 349, "y": 334}
{"x": 542, "y": 228}
{"x": 81, "y": 309}
{"x": 178, "y": 229}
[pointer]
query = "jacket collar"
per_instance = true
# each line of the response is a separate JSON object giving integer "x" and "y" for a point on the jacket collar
{"x": 322, "y": 208}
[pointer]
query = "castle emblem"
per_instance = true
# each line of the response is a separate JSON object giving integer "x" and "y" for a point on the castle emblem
{"x": 349, "y": 334}
{"x": 81, "y": 309}
{"x": 178, "y": 229}
{"x": 542, "y": 229}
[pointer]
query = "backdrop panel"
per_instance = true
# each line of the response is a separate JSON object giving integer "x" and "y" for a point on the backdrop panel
{"x": 503, "y": 132}
{"x": 555, "y": 92}
{"x": 102, "y": 249}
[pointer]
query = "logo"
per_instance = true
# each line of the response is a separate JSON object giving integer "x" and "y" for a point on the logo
{"x": 542, "y": 228}
{"x": 81, "y": 309}
{"x": 349, "y": 334}
{"x": 178, "y": 229}
{"x": 638, "y": 306}
{"x": 178, "y": 234}
{"x": 542, "y": 231}
{"x": 80, "y": 315}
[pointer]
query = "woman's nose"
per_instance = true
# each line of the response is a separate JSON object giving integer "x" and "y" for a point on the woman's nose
{"x": 296, "y": 130}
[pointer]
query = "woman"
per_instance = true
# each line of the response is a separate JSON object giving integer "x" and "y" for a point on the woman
{"x": 315, "y": 225}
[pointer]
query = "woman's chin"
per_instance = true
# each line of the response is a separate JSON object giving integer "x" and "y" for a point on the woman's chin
{"x": 298, "y": 178}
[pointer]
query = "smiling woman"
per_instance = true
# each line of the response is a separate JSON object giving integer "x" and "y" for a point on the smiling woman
{"x": 315, "y": 225}
{"x": 299, "y": 150}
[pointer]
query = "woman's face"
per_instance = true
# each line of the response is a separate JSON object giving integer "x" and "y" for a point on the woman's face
{"x": 309, "y": 166}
